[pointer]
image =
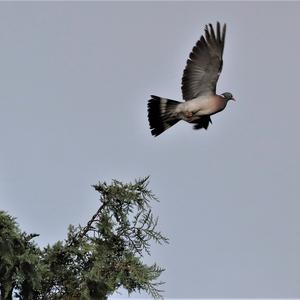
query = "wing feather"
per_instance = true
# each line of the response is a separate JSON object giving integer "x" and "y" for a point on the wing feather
{"x": 204, "y": 64}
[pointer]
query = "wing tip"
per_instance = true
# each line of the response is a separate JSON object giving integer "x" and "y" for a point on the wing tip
{"x": 218, "y": 33}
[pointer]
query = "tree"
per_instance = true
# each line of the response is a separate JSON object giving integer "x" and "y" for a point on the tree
{"x": 19, "y": 260}
{"x": 94, "y": 260}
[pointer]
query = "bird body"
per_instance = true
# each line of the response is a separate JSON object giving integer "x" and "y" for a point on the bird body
{"x": 201, "y": 106}
{"x": 199, "y": 82}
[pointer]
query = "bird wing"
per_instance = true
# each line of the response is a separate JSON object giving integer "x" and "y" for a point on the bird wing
{"x": 204, "y": 65}
{"x": 203, "y": 122}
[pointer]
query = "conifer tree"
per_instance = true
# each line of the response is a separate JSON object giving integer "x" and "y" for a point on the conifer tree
{"x": 95, "y": 260}
{"x": 19, "y": 261}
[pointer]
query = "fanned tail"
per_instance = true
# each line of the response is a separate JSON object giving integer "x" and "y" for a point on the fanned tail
{"x": 161, "y": 114}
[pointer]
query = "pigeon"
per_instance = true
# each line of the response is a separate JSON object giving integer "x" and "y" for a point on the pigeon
{"x": 198, "y": 86}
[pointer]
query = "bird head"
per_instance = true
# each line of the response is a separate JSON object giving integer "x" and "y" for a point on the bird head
{"x": 228, "y": 96}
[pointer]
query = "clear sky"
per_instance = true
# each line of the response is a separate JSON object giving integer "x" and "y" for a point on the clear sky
{"x": 74, "y": 82}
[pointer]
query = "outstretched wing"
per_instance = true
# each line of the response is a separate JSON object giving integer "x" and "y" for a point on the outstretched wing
{"x": 204, "y": 65}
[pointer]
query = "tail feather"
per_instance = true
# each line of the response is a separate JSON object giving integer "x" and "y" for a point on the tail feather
{"x": 161, "y": 114}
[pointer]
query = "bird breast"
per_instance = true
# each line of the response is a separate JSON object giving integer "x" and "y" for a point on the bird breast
{"x": 201, "y": 106}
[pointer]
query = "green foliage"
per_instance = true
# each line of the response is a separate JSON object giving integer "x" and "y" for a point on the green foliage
{"x": 95, "y": 260}
{"x": 19, "y": 260}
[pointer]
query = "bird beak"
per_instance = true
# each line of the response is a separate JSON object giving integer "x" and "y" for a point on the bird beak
{"x": 233, "y": 99}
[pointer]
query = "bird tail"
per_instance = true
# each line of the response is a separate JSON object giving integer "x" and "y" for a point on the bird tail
{"x": 161, "y": 114}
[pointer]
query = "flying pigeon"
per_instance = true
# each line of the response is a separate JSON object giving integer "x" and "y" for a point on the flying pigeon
{"x": 198, "y": 86}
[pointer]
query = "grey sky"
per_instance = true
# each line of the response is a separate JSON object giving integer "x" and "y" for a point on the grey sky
{"x": 75, "y": 79}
